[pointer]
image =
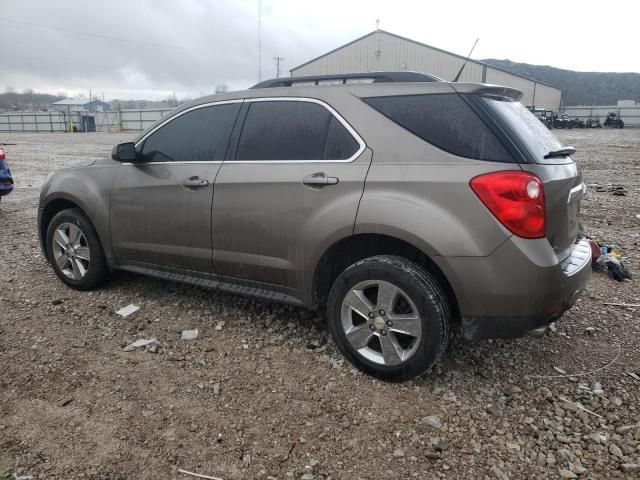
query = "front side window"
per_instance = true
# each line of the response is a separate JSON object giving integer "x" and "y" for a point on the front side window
{"x": 293, "y": 130}
{"x": 443, "y": 120}
{"x": 197, "y": 136}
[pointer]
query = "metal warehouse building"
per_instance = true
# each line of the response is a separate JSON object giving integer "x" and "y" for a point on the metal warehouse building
{"x": 81, "y": 105}
{"x": 380, "y": 51}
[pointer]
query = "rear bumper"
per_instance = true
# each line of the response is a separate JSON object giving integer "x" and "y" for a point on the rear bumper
{"x": 521, "y": 287}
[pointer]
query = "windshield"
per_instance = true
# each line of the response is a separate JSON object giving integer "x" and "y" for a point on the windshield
{"x": 523, "y": 125}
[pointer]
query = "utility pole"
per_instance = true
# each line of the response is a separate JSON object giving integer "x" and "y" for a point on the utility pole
{"x": 278, "y": 60}
{"x": 259, "y": 40}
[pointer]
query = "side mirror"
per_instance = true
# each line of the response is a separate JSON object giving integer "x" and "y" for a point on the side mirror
{"x": 124, "y": 152}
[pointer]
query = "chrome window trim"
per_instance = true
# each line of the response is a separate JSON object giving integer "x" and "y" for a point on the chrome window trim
{"x": 332, "y": 111}
{"x": 204, "y": 162}
{"x": 345, "y": 124}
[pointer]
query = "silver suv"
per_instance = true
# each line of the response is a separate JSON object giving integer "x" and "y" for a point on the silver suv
{"x": 405, "y": 208}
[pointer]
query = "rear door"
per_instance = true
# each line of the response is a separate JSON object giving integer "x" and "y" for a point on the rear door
{"x": 161, "y": 204}
{"x": 294, "y": 180}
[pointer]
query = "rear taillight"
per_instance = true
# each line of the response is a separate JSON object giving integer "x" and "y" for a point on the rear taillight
{"x": 2, "y": 156}
{"x": 514, "y": 198}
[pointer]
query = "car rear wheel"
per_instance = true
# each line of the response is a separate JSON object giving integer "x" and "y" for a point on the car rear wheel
{"x": 389, "y": 317}
{"x": 75, "y": 252}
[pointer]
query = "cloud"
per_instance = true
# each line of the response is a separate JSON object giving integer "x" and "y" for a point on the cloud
{"x": 188, "y": 46}
{"x": 154, "y": 47}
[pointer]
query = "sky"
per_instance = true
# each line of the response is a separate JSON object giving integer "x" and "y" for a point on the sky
{"x": 133, "y": 49}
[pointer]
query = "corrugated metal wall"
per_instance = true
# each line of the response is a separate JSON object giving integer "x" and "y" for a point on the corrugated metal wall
{"x": 394, "y": 54}
{"x": 33, "y": 122}
{"x": 130, "y": 121}
{"x": 381, "y": 51}
{"x": 547, "y": 97}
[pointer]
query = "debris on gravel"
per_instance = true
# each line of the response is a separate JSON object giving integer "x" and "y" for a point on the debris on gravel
{"x": 189, "y": 334}
{"x": 143, "y": 342}
{"x": 128, "y": 310}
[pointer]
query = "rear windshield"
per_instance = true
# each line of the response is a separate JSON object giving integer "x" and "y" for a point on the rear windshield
{"x": 522, "y": 124}
{"x": 443, "y": 120}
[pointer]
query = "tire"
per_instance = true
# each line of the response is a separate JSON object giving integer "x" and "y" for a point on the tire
{"x": 81, "y": 266}
{"x": 381, "y": 349}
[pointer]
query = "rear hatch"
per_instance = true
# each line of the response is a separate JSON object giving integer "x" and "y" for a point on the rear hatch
{"x": 544, "y": 156}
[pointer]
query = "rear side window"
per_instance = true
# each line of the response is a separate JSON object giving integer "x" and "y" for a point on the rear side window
{"x": 196, "y": 136}
{"x": 340, "y": 144}
{"x": 524, "y": 126}
{"x": 293, "y": 130}
{"x": 446, "y": 121}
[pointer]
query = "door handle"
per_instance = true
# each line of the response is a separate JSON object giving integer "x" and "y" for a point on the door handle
{"x": 319, "y": 179}
{"x": 194, "y": 182}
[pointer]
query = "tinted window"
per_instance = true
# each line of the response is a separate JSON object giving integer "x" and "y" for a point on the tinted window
{"x": 197, "y": 136}
{"x": 291, "y": 130}
{"x": 446, "y": 121}
{"x": 340, "y": 143}
{"x": 522, "y": 124}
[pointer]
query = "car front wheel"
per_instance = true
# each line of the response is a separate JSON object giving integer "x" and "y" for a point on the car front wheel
{"x": 74, "y": 250}
{"x": 389, "y": 317}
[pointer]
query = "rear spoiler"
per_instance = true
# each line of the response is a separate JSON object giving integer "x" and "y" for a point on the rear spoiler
{"x": 485, "y": 89}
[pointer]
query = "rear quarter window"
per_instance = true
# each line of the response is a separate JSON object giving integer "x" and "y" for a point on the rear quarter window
{"x": 523, "y": 126}
{"x": 445, "y": 121}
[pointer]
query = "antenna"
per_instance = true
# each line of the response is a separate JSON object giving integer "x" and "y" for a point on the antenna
{"x": 466, "y": 60}
{"x": 278, "y": 60}
{"x": 377, "y": 52}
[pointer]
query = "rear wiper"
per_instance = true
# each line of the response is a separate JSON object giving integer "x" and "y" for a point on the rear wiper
{"x": 563, "y": 152}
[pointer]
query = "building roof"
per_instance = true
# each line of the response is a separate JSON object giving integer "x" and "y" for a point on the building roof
{"x": 478, "y": 62}
{"x": 74, "y": 101}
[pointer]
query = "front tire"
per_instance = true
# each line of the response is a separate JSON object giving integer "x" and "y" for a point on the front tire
{"x": 75, "y": 252}
{"x": 389, "y": 317}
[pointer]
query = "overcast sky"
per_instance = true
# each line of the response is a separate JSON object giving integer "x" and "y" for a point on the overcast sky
{"x": 150, "y": 48}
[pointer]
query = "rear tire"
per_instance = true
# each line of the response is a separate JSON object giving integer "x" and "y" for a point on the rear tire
{"x": 389, "y": 317}
{"x": 75, "y": 252}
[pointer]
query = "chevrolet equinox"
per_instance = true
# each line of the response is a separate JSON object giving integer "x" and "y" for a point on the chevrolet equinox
{"x": 404, "y": 205}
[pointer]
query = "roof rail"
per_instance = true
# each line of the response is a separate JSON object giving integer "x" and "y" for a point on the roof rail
{"x": 345, "y": 78}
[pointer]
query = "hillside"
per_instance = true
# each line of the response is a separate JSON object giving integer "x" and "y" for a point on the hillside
{"x": 580, "y": 88}
{"x": 27, "y": 100}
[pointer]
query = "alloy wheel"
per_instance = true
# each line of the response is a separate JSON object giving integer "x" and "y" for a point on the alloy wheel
{"x": 381, "y": 322}
{"x": 71, "y": 251}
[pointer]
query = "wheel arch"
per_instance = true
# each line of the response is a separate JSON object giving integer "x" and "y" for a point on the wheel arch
{"x": 347, "y": 251}
{"x": 51, "y": 209}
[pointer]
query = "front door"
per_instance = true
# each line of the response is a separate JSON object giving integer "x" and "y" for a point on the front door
{"x": 161, "y": 204}
{"x": 297, "y": 177}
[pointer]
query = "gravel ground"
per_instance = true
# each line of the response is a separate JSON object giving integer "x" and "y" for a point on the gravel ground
{"x": 263, "y": 392}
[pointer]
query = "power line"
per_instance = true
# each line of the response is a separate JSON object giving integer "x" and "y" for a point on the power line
{"x": 58, "y": 61}
{"x": 84, "y": 66}
{"x": 104, "y": 37}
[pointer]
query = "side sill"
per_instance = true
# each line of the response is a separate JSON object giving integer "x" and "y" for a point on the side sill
{"x": 221, "y": 284}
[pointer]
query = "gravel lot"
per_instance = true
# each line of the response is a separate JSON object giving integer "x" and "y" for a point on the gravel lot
{"x": 263, "y": 392}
